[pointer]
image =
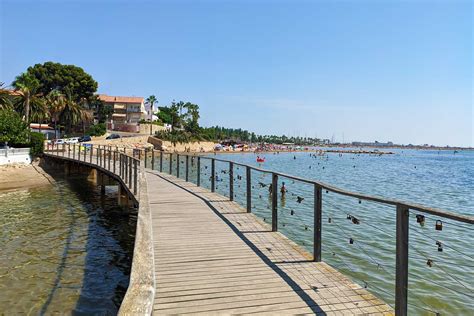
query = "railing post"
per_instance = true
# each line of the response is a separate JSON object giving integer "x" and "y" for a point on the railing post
{"x": 161, "y": 161}
{"x": 130, "y": 171}
{"x": 248, "y": 172}
{"x": 115, "y": 158}
{"x": 187, "y": 168}
{"x": 110, "y": 156}
{"x": 318, "y": 205}
{"x": 198, "y": 176}
{"x": 64, "y": 149}
{"x": 121, "y": 165}
{"x": 401, "y": 273}
{"x": 135, "y": 177}
{"x": 97, "y": 157}
{"x": 73, "y": 151}
{"x": 69, "y": 150}
{"x": 213, "y": 176}
{"x": 139, "y": 155}
{"x": 85, "y": 153}
{"x": 125, "y": 166}
{"x": 231, "y": 180}
{"x": 171, "y": 163}
{"x": 177, "y": 165}
{"x": 91, "y": 153}
{"x": 145, "y": 153}
{"x": 274, "y": 202}
{"x": 153, "y": 159}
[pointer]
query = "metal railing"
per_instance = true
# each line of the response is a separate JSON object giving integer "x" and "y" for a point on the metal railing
{"x": 205, "y": 169}
{"x": 108, "y": 158}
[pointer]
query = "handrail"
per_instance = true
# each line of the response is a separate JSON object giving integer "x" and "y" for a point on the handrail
{"x": 402, "y": 213}
{"x": 128, "y": 167}
{"x": 325, "y": 186}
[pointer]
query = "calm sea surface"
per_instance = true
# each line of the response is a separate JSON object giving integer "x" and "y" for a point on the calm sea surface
{"x": 64, "y": 249}
{"x": 439, "y": 179}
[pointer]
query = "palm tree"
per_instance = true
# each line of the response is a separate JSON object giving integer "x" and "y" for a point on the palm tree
{"x": 55, "y": 104}
{"x": 151, "y": 101}
{"x": 5, "y": 98}
{"x": 71, "y": 112}
{"x": 27, "y": 98}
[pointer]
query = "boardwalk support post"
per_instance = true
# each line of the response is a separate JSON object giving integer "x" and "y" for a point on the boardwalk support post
{"x": 249, "y": 189}
{"x": 231, "y": 180}
{"x": 318, "y": 195}
{"x": 274, "y": 202}
{"x": 401, "y": 283}
{"x": 213, "y": 175}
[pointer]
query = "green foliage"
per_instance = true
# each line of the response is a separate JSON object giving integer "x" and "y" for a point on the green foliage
{"x": 97, "y": 130}
{"x": 36, "y": 143}
{"x": 104, "y": 111}
{"x": 165, "y": 114}
{"x": 12, "y": 128}
{"x": 142, "y": 121}
{"x": 6, "y": 99}
{"x": 178, "y": 136}
{"x": 63, "y": 78}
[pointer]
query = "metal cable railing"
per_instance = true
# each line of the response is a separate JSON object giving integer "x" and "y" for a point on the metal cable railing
{"x": 304, "y": 207}
{"x": 124, "y": 166}
{"x": 259, "y": 190}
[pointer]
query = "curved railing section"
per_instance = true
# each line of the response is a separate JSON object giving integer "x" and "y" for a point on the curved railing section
{"x": 129, "y": 171}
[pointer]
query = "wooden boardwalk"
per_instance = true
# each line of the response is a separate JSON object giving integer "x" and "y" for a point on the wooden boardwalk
{"x": 212, "y": 257}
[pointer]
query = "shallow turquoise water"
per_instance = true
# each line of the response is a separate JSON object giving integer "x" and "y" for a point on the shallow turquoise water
{"x": 434, "y": 178}
{"x": 65, "y": 250}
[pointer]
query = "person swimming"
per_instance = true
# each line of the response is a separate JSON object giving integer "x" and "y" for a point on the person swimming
{"x": 283, "y": 189}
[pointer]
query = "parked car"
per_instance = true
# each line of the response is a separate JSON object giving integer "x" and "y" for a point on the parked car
{"x": 85, "y": 138}
{"x": 113, "y": 136}
{"x": 59, "y": 141}
{"x": 72, "y": 140}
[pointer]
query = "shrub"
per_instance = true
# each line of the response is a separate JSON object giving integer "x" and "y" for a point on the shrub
{"x": 12, "y": 128}
{"x": 36, "y": 143}
{"x": 97, "y": 130}
{"x": 159, "y": 123}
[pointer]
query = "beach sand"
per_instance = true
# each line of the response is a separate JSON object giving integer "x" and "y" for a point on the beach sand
{"x": 20, "y": 176}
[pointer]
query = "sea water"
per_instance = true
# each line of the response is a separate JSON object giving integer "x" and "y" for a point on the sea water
{"x": 440, "y": 280}
{"x": 65, "y": 249}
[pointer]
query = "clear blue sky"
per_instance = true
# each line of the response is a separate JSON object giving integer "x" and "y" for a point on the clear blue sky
{"x": 368, "y": 70}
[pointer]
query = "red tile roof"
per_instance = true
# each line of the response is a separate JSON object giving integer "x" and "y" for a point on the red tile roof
{"x": 112, "y": 99}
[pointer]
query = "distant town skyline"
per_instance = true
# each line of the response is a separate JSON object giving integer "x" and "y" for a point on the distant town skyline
{"x": 357, "y": 71}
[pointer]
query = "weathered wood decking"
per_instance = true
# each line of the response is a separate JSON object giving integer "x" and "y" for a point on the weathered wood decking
{"x": 212, "y": 257}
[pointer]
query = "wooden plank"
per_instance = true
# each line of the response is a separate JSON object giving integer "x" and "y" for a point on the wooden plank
{"x": 204, "y": 264}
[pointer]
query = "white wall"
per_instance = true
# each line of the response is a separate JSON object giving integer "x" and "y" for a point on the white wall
{"x": 15, "y": 155}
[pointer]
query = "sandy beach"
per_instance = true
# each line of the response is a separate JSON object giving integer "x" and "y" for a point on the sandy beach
{"x": 21, "y": 176}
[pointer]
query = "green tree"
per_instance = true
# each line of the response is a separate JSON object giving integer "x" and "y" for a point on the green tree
{"x": 5, "y": 98}
{"x": 13, "y": 129}
{"x": 151, "y": 100}
{"x": 63, "y": 78}
{"x": 72, "y": 113}
{"x": 191, "y": 117}
{"x": 27, "y": 99}
{"x": 164, "y": 114}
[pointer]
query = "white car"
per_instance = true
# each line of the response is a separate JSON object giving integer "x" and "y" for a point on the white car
{"x": 59, "y": 141}
{"x": 72, "y": 140}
